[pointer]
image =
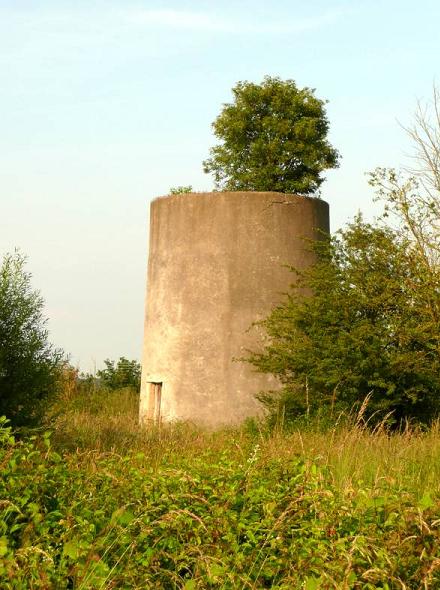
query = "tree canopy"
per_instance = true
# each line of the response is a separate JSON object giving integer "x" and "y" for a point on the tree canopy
{"x": 273, "y": 138}
{"x": 123, "y": 373}
{"x": 29, "y": 364}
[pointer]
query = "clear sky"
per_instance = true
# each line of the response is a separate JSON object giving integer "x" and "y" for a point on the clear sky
{"x": 106, "y": 104}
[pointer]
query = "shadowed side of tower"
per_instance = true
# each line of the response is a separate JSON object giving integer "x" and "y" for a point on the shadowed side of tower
{"x": 217, "y": 264}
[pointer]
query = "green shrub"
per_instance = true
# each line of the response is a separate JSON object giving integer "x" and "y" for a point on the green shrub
{"x": 358, "y": 324}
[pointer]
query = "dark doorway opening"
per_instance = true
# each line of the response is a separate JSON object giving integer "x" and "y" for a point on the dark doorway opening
{"x": 154, "y": 400}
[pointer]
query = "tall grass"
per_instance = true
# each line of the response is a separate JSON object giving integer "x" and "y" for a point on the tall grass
{"x": 357, "y": 456}
{"x": 103, "y": 421}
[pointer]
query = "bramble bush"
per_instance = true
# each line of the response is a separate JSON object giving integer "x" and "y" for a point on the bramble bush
{"x": 237, "y": 516}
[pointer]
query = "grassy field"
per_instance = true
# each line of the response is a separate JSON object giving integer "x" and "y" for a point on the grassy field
{"x": 101, "y": 503}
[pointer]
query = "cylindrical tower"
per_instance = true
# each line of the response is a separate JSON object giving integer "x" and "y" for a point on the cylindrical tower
{"x": 217, "y": 264}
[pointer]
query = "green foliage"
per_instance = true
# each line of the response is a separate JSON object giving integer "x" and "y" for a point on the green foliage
{"x": 179, "y": 190}
{"x": 274, "y": 138}
{"x": 369, "y": 327}
{"x": 414, "y": 211}
{"x": 124, "y": 373}
{"x": 220, "y": 518}
{"x": 29, "y": 365}
{"x": 372, "y": 328}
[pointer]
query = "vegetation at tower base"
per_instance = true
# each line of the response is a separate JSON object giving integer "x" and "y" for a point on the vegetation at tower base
{"x": 273, "y": 138}
{"x": 29, "y": 365}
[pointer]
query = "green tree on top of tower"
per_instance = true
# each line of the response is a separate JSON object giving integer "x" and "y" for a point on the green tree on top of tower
{"x": 273, "y": 138}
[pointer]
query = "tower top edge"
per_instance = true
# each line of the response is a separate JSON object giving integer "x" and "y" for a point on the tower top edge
{"x": 238, "y": 194}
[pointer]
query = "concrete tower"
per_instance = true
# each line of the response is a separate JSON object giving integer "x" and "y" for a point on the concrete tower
{"x": 216, "y": 265}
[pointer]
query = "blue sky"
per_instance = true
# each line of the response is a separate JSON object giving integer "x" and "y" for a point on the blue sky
{"x": 106, "y": 104}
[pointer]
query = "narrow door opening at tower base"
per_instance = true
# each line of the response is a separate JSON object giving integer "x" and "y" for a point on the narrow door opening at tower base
{"x": 154, "y": 400}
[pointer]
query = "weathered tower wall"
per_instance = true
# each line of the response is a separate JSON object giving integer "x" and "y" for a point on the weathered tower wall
{"x": 216, "y": 265}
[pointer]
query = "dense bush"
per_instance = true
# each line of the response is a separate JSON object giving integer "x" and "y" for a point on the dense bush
{"x": 368, "y": 327}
